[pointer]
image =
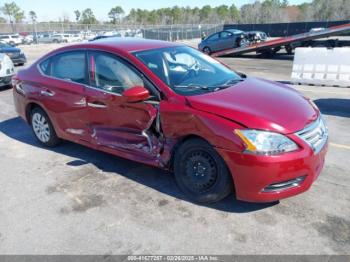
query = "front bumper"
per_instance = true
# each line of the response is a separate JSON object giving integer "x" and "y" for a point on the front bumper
{"x": 254, "y": 174}
{"x": 19, "y": 60}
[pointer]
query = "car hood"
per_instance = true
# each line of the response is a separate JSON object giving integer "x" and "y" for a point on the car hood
{"x": 259, "y": 104}
{"x": 10, "y": 50}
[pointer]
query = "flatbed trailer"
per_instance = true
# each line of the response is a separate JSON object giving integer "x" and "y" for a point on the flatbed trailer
{"x": 271, "y": 47}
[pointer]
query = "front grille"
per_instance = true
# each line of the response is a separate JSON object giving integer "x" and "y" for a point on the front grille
{"x": 284, "y": 185}
{"x": 315, "y": 135}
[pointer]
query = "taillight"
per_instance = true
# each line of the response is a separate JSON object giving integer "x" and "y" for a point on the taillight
{"x": 17, "y": 85}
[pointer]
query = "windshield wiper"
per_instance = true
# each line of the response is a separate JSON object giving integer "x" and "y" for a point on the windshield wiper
{"x": 195, "y": 86}
{"x": 228, "y": 83}
{"x": 232, "y": 81}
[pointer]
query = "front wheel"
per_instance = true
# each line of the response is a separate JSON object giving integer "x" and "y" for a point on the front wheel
{"x": 244, "y": 42}
{"x": 201, "y": 173}
{"x": 43, "y": 128}
{"x": 207, "y": 50}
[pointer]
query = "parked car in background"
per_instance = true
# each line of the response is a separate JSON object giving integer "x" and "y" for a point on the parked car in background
{"x": 14, "y": 53}
{"x": 76, "y": 38}
{"x": 230, "y": 38}
{"x": 104, "y": 36}
{"x": 52, "y": 38}
{"x": 88, "y": 35}
{"x": 28, "y": 39}
{"x": 6, "y": 70}
{"x": 134, "y": 33}
{"x": 256, "y": 36}
{"x": 11, "y": 39}
{"x": 170, "y": 106}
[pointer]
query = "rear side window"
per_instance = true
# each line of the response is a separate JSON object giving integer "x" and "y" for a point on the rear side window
{"x": 69, "y": 66}
{"x": 45, "y": 67}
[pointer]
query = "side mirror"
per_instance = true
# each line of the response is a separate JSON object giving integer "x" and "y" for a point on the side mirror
{"x": 136, "y": 94}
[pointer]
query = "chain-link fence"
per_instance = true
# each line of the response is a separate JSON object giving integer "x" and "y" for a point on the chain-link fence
{"x": 161, "y": 32}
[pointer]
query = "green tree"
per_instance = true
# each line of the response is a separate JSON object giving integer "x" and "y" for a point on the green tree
{"x": 77, "y": 15}
{"x": 14, "y": 13}
{"x": 223, "y": 12}
{"x": 152, "y": 17}
{"x": 176, "y": 14}
{"x": 205, "y": 13}
{"x": 234, "y": 13}
{"x": 32, "y": 16}
{"x": 115, "y": 14}
{"x": 88, "y": 17}
{"x": 2, "y": 20}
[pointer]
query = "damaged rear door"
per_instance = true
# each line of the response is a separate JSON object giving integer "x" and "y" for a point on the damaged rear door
{"x": 113, "y": 122}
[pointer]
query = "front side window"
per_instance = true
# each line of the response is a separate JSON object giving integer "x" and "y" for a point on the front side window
{"x": 69, "y": 66}
{"x": 188, "y": 71}
{"x": 110, "y": 73}
{"x": 225, "y": 34}
{"x": 213, "y": 37}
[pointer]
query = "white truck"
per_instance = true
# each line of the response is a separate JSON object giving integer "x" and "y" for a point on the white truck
{"x": 11, "y": 39}
{"x": 7, "y": 70}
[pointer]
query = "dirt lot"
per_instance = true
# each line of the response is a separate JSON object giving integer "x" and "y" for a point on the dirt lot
{"x": 73, "y": 200}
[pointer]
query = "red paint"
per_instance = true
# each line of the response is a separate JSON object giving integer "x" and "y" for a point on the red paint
{"x": 136, "y": 94}
{"x": 119, "y": 125}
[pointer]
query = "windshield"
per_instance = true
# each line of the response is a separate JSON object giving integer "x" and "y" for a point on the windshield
{"x": 188, "y": 71}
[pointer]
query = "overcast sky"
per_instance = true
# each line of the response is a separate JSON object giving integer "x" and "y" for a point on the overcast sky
{"x": 52, "y": 10}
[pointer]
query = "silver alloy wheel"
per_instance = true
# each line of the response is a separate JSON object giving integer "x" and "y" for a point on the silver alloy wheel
{"x": 41, "y": 127}
{"x": 244, "y": 42}
{"x": 206, "y": 50}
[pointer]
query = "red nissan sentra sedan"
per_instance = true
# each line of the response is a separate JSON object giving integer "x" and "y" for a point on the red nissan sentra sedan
{"x": 171, "y": 106}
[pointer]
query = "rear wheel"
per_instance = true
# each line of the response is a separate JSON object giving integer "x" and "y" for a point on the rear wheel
{"x": 43, "y": 128}
{"x": 201, "y": 173}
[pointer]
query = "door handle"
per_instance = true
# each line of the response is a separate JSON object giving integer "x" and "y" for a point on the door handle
{"x": 47, "y": 93}
{"x": 97, "y": 105}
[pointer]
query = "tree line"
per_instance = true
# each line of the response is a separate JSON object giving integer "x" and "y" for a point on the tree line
{"x": 267, "y": 11}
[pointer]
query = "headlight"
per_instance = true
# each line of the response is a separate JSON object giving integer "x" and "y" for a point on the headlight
{"x": 265, "y": 143}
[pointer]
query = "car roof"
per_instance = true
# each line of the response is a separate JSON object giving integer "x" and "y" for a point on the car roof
{"x": 254, "y": 31}
{"x": 125, "y": 44}
{"x": 234, "y": 30}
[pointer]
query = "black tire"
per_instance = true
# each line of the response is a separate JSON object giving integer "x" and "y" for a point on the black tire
{"x": 201, "y": 173}
{"x": 289, "y": 49}
{"x": 52, "y": 139}
{"x": 55, "y": 41}
{"x": 207, "y": 50}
